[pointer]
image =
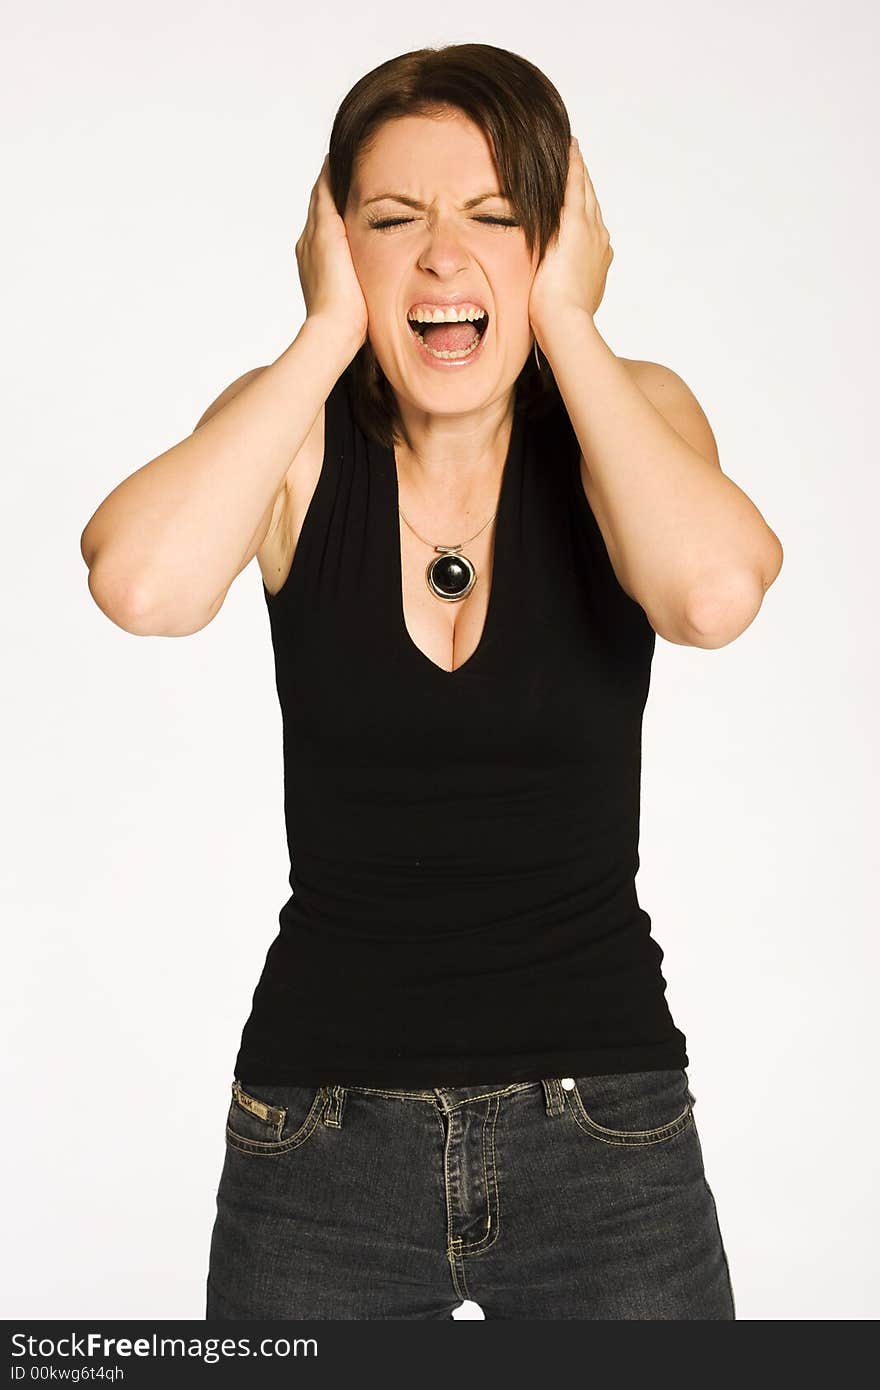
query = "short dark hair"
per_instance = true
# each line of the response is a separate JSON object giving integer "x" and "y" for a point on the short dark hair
{"x": 528, "y": 128}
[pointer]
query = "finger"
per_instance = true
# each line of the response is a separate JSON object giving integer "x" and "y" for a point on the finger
{"x": 313, "y": 198}
{"x": 320, "y": 189}
{"x": 590, "y": 193}
{"x": 574, "y": 188}
{"x": 326, "y": 190}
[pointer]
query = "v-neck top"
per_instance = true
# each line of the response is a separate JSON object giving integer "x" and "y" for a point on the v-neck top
{"x": 463, "y": 844}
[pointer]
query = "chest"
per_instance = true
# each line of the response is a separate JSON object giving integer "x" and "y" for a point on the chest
{"x": 447, "y": 632}
{"x": 373, "y": 670}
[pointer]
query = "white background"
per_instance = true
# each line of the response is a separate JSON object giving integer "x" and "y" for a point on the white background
{"x": 158, "y": 164}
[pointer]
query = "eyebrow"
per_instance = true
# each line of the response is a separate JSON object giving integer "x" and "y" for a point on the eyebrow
{"x": 413, "y": 203}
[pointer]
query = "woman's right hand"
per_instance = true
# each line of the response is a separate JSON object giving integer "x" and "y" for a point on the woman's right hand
{"x": 330, "y": 286}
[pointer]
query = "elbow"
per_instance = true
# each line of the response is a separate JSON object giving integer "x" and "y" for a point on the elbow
{"x": 89, "y": 544}
{"x": 125, "y": 603}
{"x": 86, "y": 549}
{"x": 774, "y": 560}
{"x": 720, "y": 607}
{"x": 132, "y": 606}
{"x": 719, "y": 612}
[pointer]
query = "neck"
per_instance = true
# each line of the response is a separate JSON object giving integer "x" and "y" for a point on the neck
{"x": 454, "y": 459}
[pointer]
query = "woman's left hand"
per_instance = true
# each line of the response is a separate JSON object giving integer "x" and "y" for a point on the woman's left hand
{"x": 575, "y": 265}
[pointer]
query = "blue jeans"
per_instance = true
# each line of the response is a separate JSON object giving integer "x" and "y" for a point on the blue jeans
{"x": 578, "y": 1197}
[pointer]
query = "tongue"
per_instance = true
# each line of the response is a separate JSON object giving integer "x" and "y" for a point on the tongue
{"x": 448, "y": 337}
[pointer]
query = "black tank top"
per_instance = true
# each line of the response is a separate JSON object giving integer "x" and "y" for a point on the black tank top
{"x": 464, "y": 843}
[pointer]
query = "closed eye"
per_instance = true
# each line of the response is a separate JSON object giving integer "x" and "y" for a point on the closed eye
{"x": 386, "y": 222}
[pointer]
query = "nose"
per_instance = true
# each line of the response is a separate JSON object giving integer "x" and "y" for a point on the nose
{"x": 443, "y": 252}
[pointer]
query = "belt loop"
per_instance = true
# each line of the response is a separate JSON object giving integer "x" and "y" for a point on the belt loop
{"x": 333, "y": 1108}
{"x": 553, "y": 1096}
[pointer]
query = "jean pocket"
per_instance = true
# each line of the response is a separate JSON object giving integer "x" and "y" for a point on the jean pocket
{"x": 269, "y": 1119}
{"x": 641, "y": 1107}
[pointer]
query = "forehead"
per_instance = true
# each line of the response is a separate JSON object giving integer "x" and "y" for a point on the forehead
{"x": 424, "y": 156}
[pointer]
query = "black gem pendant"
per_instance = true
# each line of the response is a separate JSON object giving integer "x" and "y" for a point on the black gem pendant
{"x": 451, "y": 576}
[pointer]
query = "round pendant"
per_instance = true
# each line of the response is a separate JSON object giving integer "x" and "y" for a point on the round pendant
{"x": 451, "y": 576}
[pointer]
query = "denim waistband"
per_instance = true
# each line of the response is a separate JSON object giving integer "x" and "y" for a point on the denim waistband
{"x": 451, "y": 1097}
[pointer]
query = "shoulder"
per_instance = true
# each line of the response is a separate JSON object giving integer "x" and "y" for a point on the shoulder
{"x": 228, "y": 394}
{"x": 671, "y": 396}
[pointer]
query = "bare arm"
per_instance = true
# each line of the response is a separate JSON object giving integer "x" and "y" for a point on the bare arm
{"x": 166, "y": 544}
{"x": 684, "y": 540}
{"x": 686, "y": 544}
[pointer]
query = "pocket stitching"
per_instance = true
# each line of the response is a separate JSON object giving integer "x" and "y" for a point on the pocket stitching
{"x": 661, "y": 1133}
{"x": 270, "y": 1147}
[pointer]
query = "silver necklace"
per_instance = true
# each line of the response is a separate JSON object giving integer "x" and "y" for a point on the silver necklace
{"x": 451, "y": 576}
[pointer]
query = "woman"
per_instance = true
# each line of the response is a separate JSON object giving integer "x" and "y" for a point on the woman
{"x": 459, "y": 1078}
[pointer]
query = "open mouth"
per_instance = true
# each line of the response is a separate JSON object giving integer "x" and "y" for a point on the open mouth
{"x": 450, "y": 338}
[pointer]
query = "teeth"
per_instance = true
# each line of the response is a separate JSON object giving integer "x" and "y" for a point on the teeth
{"x": 464, "y": 352}
{"x": 452, "y": 314}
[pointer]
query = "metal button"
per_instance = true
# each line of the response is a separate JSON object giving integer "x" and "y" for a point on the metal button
{"x": 568, "y": 1083}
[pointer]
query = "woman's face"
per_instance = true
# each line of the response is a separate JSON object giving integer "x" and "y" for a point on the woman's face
{"x": 438, "y": 252}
